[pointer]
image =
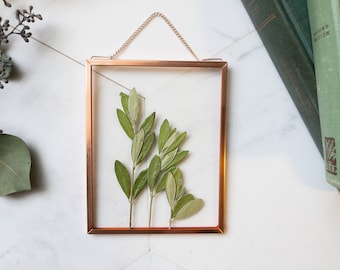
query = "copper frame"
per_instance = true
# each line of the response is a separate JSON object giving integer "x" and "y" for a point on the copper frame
{"x": 218, "y": 65}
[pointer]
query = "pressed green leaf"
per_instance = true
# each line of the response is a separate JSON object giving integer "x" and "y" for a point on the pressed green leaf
{"x": 179, "y": 138}
{"x": 180, "y": 192}
{"x": 167, "y": 159}
{"x": 147, "y": 146}
{"x": 148, "y": 123}
{"x": 176, "y": 172}
{"x": 178, "y": 158}
{"x": 133, "y": 106}
{"x": 153, "y": 171}
{"x": 124, "y": 100}
{"x": 137, "y": 144}
{"x": 163, "y": 134}
{"x": 140, "y": 184}
{"x": 123, "y": 178}
{"x": 170, "y": 190}
{"x": 161, "y": 184}
{"x": 172, "y": 137}
{"x": 189, "y": 209}
{"x": 184, "y": 200}
{"x": 125, "y": 123}
{"x": 15, "y": 165}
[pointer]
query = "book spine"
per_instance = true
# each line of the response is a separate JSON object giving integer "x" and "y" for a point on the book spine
{"x": 324, "y": 22}
{"x": 290, "y": 58}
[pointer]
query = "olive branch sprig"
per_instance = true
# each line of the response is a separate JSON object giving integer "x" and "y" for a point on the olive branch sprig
{"x": 142, "y": 138}
{"x": 162, "y": 173}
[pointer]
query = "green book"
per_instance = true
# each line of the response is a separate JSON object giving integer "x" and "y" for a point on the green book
{"x": 283, "y": 26}
{"x": 324, "y": 19}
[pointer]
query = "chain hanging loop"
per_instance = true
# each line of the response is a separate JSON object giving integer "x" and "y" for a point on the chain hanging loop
{"x": 141, "y": 28}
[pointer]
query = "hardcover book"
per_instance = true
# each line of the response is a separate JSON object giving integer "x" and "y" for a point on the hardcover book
{"x": 324, "y": 23}
{"x": 283, "y": 26}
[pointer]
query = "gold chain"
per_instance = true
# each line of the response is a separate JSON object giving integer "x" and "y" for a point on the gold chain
{"x": 141, "y": 28}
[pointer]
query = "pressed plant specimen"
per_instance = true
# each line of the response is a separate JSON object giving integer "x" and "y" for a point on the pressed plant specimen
{"x": 162, "y": 173}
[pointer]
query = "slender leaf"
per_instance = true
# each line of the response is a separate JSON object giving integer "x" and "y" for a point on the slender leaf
{"x": 153, "y": 171}
{"x": 123, "y": 178}
{"x": 178, "y": 158}
{"x": 124, "y": 100}
{"x": 176, "y": 172}
{"x": 170, "y": 190}
{"x": 137, "y": 144}
{"x": 140, "y": 184}
{"x": 163, "y": 134}
{"x": 167, "y": 159}
{"x": 179, "y": 138}
{"x": 184, "y": 200}
{"x": 172, "y": 137}
{"x": 125, "y": 123}
{"x": 146, "y": 148}
{"x": 148, "y": 123}
{"x": 180, "y": 191}
{"x": 189, "y": 209}
{"x": 133, "y": 106}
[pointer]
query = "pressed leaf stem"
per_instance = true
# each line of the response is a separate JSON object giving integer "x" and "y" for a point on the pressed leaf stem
{"x": 131, "y": 194}
{"x": 150, "y": 208}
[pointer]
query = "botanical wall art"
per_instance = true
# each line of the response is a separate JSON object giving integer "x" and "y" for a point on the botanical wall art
{"x": 156, "y": 144}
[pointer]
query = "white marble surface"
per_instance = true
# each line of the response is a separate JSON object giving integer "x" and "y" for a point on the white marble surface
{"x": 281, "y": 213}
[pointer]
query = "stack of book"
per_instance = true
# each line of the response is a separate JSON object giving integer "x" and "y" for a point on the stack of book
{"x": 303, "y": 42}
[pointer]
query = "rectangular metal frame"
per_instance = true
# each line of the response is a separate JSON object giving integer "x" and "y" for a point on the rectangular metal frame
{"x": 219, "y": 65}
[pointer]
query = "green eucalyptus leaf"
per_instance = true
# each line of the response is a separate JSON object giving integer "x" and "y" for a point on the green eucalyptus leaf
{"x": 137, "y": 144}
{"x": 123, "y": 178}
{"x": 184, "y": 200}
{"x": 124, "y": 100}
{"x": 153, "y": 171}
{"x": 15, "y": 165}
{"x": 170, "y": 190}
{"x": 133, "y": 106}
{"x": 167, "y": 159}
{"x": 147, "y": 146}
{"x": 163, "y": 134}
{"x": 5, "y": 66}
{"x": 125, "y": 123}
{"x": 140, "y": 184}
{"x": 148, "y": 123}
{"x": 189, "y": 209}
{"x": 178, "y": 158}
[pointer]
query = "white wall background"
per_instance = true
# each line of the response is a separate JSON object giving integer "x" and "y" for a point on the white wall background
{"x": 281, "y": 213}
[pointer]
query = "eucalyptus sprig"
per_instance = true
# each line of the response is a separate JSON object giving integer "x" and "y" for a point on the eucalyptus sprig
{"x": 142, "y": 140}
{"x": 24, "y": 18}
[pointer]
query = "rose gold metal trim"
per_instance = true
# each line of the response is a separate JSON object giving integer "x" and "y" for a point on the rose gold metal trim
{"x": 222, "y": 66}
